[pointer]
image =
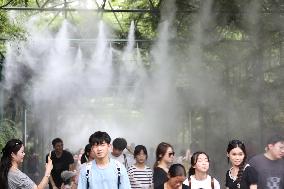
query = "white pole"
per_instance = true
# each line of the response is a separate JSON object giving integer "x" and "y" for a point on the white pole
{"x": 190, "y": 127}
{"x": 25, "y": 126}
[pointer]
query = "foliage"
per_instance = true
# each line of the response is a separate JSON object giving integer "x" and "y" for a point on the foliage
{"x": 145, "y": 23}
{"x": 8, "y": 130}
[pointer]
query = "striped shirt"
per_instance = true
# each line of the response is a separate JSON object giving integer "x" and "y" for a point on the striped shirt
{"x": 140, "y": 178}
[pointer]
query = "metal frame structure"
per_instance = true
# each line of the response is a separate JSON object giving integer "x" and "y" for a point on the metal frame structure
{"x": 64, "y": 7}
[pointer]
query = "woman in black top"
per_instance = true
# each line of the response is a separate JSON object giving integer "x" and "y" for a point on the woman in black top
{"x": 176, "y": 177}
{"x": 240, "y": 175}
{"x": 164, "y": 158}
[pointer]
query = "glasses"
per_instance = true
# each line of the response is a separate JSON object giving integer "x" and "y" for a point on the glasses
{"x": 171, "y": 154}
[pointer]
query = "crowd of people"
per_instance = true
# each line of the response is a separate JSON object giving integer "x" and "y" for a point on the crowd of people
{"x": 105, "y": 165}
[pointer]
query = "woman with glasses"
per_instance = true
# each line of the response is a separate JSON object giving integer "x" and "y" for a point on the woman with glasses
{"x": 10, "y": 175}
{"x": 176, "y": 177}
{"x": 241, "y": 175}
{"x": 198, "y": 176}
{"x": 164, "y": 159}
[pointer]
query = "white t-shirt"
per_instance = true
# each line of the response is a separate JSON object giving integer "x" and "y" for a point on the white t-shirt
{"x": 204, "y": 184}
{"x": 129, "y": 160}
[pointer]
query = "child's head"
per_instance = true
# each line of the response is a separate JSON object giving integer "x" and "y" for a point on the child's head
{"x": 199, "y": 163}
{"x": 140, "y": 154}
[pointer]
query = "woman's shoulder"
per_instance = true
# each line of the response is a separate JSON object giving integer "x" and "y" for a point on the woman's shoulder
{"x": 159, "y": 169}
{"x": 15, "y": 173}
{"x": 18, "y": 178}
{"x": 249, "y": 169}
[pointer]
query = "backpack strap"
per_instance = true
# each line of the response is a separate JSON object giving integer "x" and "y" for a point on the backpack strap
{"x": 189, "y": 182}
{"x": 88, "y": 171}
{"x": 125, "y": 161}
{"x": 118, "y": 173}
{"x": 212, "y": 182}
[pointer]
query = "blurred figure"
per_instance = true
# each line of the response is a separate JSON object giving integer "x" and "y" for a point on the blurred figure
{"x": 77, "y": 162}
{"x": 176, "y": 176}
{"x": 81, "y": 152}
{"x": 198, "y": 176}
{"x": 164, "y": 158}
{"x": 33, "y": 165}
{"x": 183, "y": 158}
{"x": 10, "y": 175}
{"x": 118, "y": 146}
{"x": 68, "y": 178}
{"x": 88, "y": 154}
{"x": 270, "y": 165}
{"x": 140, "y": 175}
{"x": 240, "y": 175}
{"x": 62, "y": 160}
{"x": 151, "y": 157}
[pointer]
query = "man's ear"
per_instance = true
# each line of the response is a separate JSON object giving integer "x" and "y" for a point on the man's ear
{"x": 227, "y": 154}
{"x": 269, "y": 146}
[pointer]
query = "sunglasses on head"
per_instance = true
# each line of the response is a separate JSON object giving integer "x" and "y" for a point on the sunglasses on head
{"x": 16, "y": 144}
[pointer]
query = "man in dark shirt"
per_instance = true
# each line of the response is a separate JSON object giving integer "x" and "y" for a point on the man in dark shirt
{"x": 270, "y": 165}
{"x": 62, "y": 160}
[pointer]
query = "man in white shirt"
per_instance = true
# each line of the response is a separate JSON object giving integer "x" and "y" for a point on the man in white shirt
{"x": 118, "y": 146}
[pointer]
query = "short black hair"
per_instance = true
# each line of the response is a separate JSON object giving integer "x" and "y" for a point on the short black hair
{"x": 140, "y": 148}
{"x": 99, "y": 137}
{"x": 56, "y": 140}
{"x": 274, "y": 139}
{"x": 119, "y": 144}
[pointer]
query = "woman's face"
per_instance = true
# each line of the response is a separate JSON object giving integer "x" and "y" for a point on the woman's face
{"x": 176, "y": 182}
{"x": 169, "y": 156}
{"x": 141, "y": 157}
{"x": 91, "y": 155}
{"x": 19, "y": 156}
{"x": 236, "y": 156}
{"x": 202, "y": 164}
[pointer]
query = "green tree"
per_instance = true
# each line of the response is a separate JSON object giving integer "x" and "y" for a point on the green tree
{"x": 7, "y": 131}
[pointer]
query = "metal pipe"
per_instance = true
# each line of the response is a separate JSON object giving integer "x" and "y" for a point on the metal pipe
{"x": 79, "y": 9}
